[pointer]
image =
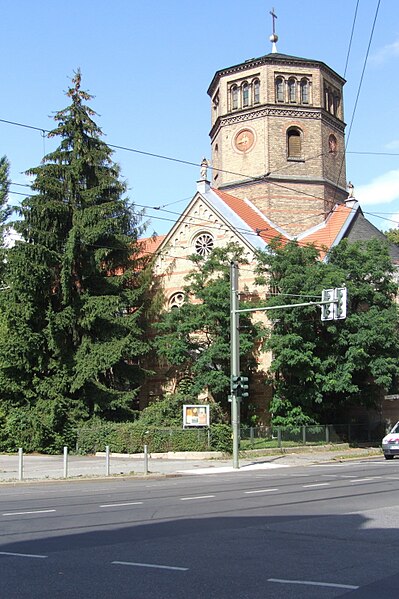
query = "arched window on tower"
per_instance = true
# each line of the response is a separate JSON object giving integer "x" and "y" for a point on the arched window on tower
{"x": 256, "y": 91}
{"x": 294, "y": 143}
{"x": 234, "y": 97}
{"x": 304, "y": 91}
{"x": 336, "y": 102}
{"x": 245, "y": 94}
{"x": 279, "y": 89}
{"x": 291, "y": 90}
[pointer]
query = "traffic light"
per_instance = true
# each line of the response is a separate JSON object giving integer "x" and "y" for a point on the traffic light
{"x": 328, "y": 310}
{"x": 239, "y": 386}
{"x": 336, "y": 308}
{"x": 340, "y": 306}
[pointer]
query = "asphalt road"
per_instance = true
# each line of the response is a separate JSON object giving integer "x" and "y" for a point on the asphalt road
{"x": 305, "y": 532}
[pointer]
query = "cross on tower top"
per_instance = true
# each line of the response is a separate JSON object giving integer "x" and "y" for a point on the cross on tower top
{"x": 274, "y": 37}
{"x": 274, "y": 17}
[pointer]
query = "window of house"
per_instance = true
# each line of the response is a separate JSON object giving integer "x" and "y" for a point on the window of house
{"x": 245, "y": 94}
{"x": 279, "y": 89}
{"x": 234, "y": 97}
{"x": 256, "y": 88}
{"x": 204, "y": 244}
{"x": 294, "y": 143}
{"x": 304, "y": 91}
{"x": 291, "y": 90}
{"x": 176, "y": 300}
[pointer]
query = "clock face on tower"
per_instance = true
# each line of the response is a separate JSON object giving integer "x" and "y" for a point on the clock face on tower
{"x": 244, "y": 140}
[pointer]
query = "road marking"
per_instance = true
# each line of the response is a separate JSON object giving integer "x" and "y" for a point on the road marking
{"x": 121, "y": 504}
{"x": 260, "y": 491}
{"x": 22, "y": 554}
{"x": 316, "y": 485}
{"x": 150, "y": 566}
{"x": 361, "y": 480}
{"x": 23, "y": 513}
{"x": 197, "y": 497}
{"x": 312, "y": 583}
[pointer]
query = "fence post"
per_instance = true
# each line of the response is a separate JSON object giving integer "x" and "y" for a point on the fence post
{"x": 304, "y": 434}
{"x": 20, "y": 464}
{"x": 107, "y": 460}
{"x": 251, "y": 436}
{"x": 65, "y": 461}
{"x": 146, "y": 459}
{"x": 279, "y": 436}
{"x": 327, "y": 433}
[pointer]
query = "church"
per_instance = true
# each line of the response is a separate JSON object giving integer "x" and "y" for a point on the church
{"x": 277, "y": 168}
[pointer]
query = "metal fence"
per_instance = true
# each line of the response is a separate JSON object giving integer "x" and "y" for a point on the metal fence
{"x": 127, "y": 439}
{"x": 281, "y": 436}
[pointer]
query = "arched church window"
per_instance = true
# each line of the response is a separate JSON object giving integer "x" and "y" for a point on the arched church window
{"x": 336, "y": 101}
{"x": 176, "y": 300}
{"x": 256, "y": 88}
{"x": 204, "y": 244}
{"x": 245, "y": 94}
{"x": 291, "y": 90}
{"x": 294, "y": 143}
{"x": 279, "y": 89}
{"x": 234, "y": 97}
{"x": 304, "y": 91}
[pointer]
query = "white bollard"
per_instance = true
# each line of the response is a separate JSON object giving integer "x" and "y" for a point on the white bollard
{"x": 20, "y": 464}
{"x": 107, "y": 460}
{"x": 145, "y": 459}
{"x": 65, "y": 462}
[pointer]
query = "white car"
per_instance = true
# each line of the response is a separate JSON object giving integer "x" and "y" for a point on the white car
{"x": 390, "y": 443}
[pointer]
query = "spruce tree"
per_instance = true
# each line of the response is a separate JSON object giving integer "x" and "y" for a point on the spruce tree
{"x": 78, "y": 287}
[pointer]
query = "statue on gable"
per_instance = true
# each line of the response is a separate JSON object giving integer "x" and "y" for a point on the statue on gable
{"x": 204, "y": 169}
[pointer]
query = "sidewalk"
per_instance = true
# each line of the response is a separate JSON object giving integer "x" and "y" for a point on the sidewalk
{"x": 43, "y": 467}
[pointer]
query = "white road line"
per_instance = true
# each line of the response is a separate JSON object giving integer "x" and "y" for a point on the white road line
{"x": 361, "y": 480}
{"x": 121, "y": 504}
{"x": 22, "y": 554}
{"x": 197, "y": 497}
{"x": 312, "y": 583}
{"x": 150, "y": 566}
{"x": 23, "y": 513}
{"x": 316, "y": 485}
{"x": 260, "y": 491}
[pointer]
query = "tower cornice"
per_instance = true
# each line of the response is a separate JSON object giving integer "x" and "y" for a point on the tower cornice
{"x": 271, "y": 59}
{"x": 243, "y": 116}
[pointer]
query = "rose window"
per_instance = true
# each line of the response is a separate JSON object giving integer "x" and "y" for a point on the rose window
{"x": 204, "y": 244}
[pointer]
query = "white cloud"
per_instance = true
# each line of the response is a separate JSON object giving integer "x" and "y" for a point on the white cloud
{"x": 385, "y": 53}
{"x": 382, "y": 190}
{"x": 392, "y": 145}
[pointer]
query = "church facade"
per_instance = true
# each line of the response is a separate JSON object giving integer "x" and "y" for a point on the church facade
{"x": 277, "y": 168}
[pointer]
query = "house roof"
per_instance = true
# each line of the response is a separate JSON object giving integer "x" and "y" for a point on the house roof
{"x": 330, "y": 232}
{"x": 251, "y": 216}
{"x": 257, "y": 230}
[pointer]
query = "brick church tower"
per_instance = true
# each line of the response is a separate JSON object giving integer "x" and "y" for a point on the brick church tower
{"x": 277, "y": 137}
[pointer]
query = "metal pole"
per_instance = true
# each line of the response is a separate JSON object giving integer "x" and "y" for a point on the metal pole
{"x": 65, "y": 461}
{"x": 235, "y": 359}
{"x": 20, "y": 464}
{"x": 146, "y": 459}
{"x": 107, "y": 460}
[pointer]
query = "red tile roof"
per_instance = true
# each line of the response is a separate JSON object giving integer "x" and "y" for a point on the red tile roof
{"x": 324, "y": 236}
{"x": 250, "y": 216}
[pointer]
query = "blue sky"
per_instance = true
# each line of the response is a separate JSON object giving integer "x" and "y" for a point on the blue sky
{"x": 149, "y": 65}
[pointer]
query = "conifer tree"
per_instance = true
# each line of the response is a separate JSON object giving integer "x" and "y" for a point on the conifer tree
{"x": 78, "y": 285}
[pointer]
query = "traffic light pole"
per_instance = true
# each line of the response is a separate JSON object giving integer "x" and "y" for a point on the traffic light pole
{"x": 235, "y": 360}
{"x": 338, "y": 299}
